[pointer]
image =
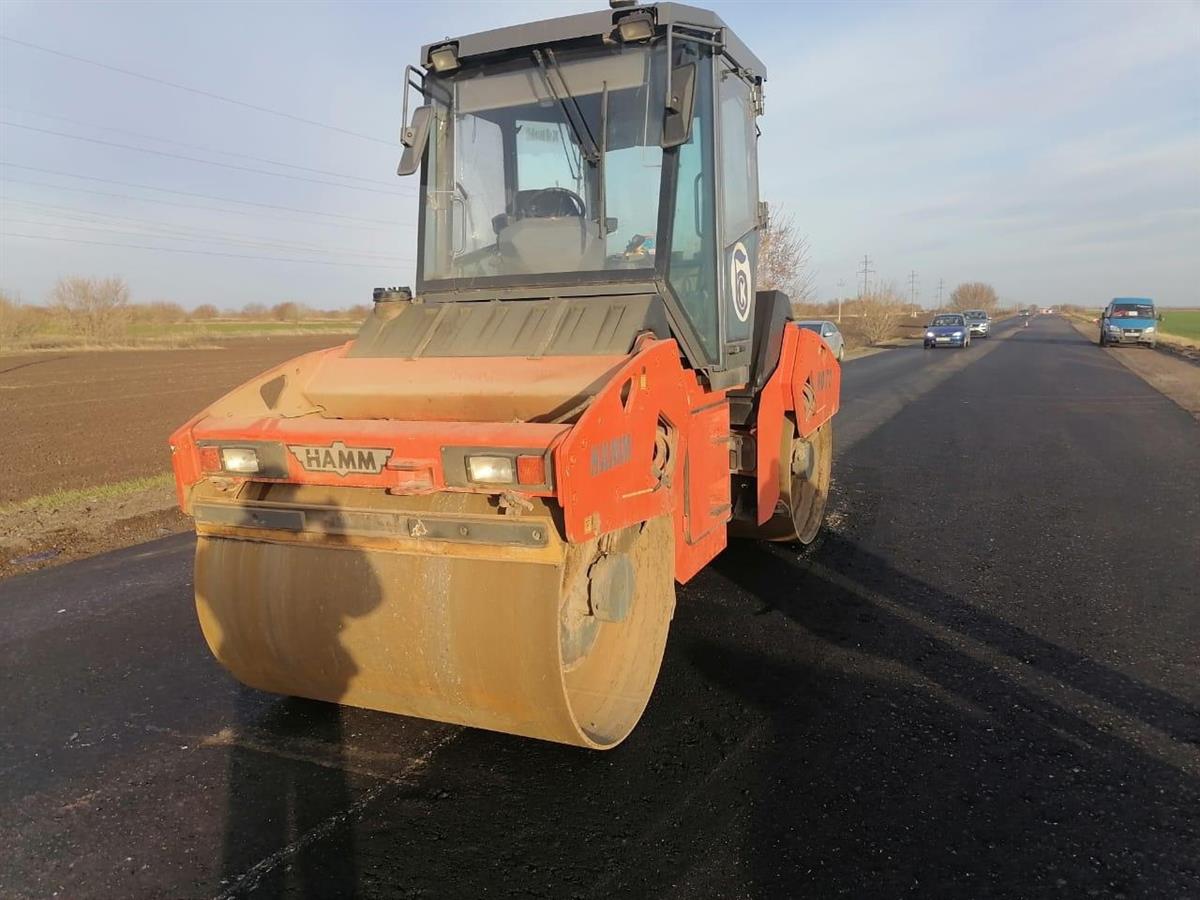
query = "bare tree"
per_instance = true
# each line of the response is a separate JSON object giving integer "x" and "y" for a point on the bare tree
{"x": 17, "y": 321}
{"x": 783, "y": 260}
{"x": 205, "y": 311}
{"x": 160, "y": 312}
{"x": 974, "y": 295}
{"x": 254, "y": 311}
{"x": 287, "y": 311}
{"x": 97, "y": 308}
{"x": 879, "y": 310}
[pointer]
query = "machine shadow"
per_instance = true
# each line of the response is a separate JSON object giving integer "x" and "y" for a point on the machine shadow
{"x": 288, "y": 831}
{"x": 897, "y": 763}
{"x": 805, "y": 740}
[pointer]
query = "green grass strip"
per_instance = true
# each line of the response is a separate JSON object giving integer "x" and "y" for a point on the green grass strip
{"x": 78, "y": 496}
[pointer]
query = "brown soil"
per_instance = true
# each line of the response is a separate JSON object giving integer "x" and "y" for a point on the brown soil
{"x": 41, "y": 538}
{"x": 78, "y": 419}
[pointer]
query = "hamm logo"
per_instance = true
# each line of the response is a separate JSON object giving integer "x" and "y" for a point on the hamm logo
{"x": 342, "y": 460}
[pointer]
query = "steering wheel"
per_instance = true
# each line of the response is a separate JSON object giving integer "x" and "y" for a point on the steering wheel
{"x": 554, "y": 202}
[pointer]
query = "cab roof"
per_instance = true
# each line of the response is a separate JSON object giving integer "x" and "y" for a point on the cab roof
{"x": 595, "y": 24}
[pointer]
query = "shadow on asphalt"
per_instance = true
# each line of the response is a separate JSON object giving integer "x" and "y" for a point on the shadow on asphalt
{"x": 804, "y": 740}
{"x": 285, "y": 635}
{"x": 867, "y": 785}
{"x": 273, "y": 801}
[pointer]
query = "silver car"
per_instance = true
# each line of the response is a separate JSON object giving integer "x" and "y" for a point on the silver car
{"x": 979, "y": 322}
{"x": 829, "y": 333}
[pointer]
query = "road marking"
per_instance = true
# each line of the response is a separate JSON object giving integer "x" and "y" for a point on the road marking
{"x": 250, "y": 879}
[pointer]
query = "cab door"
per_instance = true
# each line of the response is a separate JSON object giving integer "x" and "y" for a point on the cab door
{"x": 737, "y": 210}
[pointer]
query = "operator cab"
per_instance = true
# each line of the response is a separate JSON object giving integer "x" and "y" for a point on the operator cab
{"x": 603, "y": 155}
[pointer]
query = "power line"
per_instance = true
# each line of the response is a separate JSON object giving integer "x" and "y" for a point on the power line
{"x": 129, "y": 231}
{"x": 196, "y": 159}
{"x": 200, "y": 147}
{"x": 319, "y": 262}
{"x": 150, "y": 187}
{"x": 203, "y": 93}
{"x": 912, "y": 287}
{"x": 171, "y": 231}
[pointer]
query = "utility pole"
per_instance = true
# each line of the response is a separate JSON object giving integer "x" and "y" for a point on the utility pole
{"x": 866, "y": 272}
{"x": 940, "y": 283}
{"x": 912, "y": 293}
{"x": 841, "y": 291}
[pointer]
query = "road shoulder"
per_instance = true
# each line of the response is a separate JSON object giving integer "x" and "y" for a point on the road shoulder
{"x": 1170, "y": 375}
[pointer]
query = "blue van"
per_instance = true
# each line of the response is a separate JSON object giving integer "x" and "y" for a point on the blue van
{"x": 1129, "y": 320}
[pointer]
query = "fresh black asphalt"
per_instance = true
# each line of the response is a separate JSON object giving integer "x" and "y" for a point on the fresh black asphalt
{"x": 984, "y": 680}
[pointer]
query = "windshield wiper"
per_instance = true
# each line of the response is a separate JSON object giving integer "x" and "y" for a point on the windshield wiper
{"x": 589, "y": 148}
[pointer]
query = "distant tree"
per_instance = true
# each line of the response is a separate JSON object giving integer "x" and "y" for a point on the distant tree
{"x": 879, "y": 310}
{"x": 974, "y": 295}
{"x": 96, "y": 308}
{"x": 358, "y": 312}
{"x": 205, "y": 311}
{"x": 783, "y": 260}
{"x": 161, "y": 312}
{"x": 254, "y": 311}
{"x": 288, "y": 311}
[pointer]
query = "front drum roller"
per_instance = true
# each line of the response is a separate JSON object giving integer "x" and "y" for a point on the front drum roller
{"x": 561, "y": 642}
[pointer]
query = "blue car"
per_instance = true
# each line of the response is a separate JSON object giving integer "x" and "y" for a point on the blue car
{"x": 947, "y": 330}
{"x": 1129, "y": 320}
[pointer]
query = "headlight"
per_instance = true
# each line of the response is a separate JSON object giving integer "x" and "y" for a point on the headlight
{"x": 929, "y": 334}
{"x": 243, "y": 460}
{"x": 1147, "y": 329}
{"x": 1112, "y": 326}
{"x": 490, "y": 469}
{"x": 958, "y": 334}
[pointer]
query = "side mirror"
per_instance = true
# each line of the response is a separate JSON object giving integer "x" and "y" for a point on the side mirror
{"x": 1159, "y": 317}
{"x": 610, "y": 224}
{"x": 681, "y": 102}
{"x": 414, "y": 138}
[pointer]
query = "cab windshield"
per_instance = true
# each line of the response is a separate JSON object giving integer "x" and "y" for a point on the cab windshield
{"x": 546, "y": 164}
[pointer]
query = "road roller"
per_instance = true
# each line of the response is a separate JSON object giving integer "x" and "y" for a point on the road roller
{"x": 477, "y": 510}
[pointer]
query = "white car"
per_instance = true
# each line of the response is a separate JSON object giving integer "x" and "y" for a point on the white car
{"x": 829, "y": 333}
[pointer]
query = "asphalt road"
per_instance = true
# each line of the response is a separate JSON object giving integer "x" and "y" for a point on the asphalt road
{"x": 984, "y": 680}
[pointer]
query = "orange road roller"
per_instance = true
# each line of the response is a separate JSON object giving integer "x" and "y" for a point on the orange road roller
{"x": 478, "y": 509}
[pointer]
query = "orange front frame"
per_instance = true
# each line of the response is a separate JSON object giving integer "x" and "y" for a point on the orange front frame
{"x": 609, "y": 470}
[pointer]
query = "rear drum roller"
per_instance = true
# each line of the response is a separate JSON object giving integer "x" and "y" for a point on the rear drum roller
{"x": 805, "y": 472}
{"x": 560, "y": 641}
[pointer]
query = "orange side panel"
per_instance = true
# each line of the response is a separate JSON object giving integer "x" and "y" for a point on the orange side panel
{"x": 606, "y": 477}
{"x": 607, "y": 480}
{"x": 707, "y": 499}
{"x": 804, "y": 359}
{"x": 707, "y": 507}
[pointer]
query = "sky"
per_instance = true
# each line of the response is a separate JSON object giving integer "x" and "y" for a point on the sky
{"x": 1050, "y": 149}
